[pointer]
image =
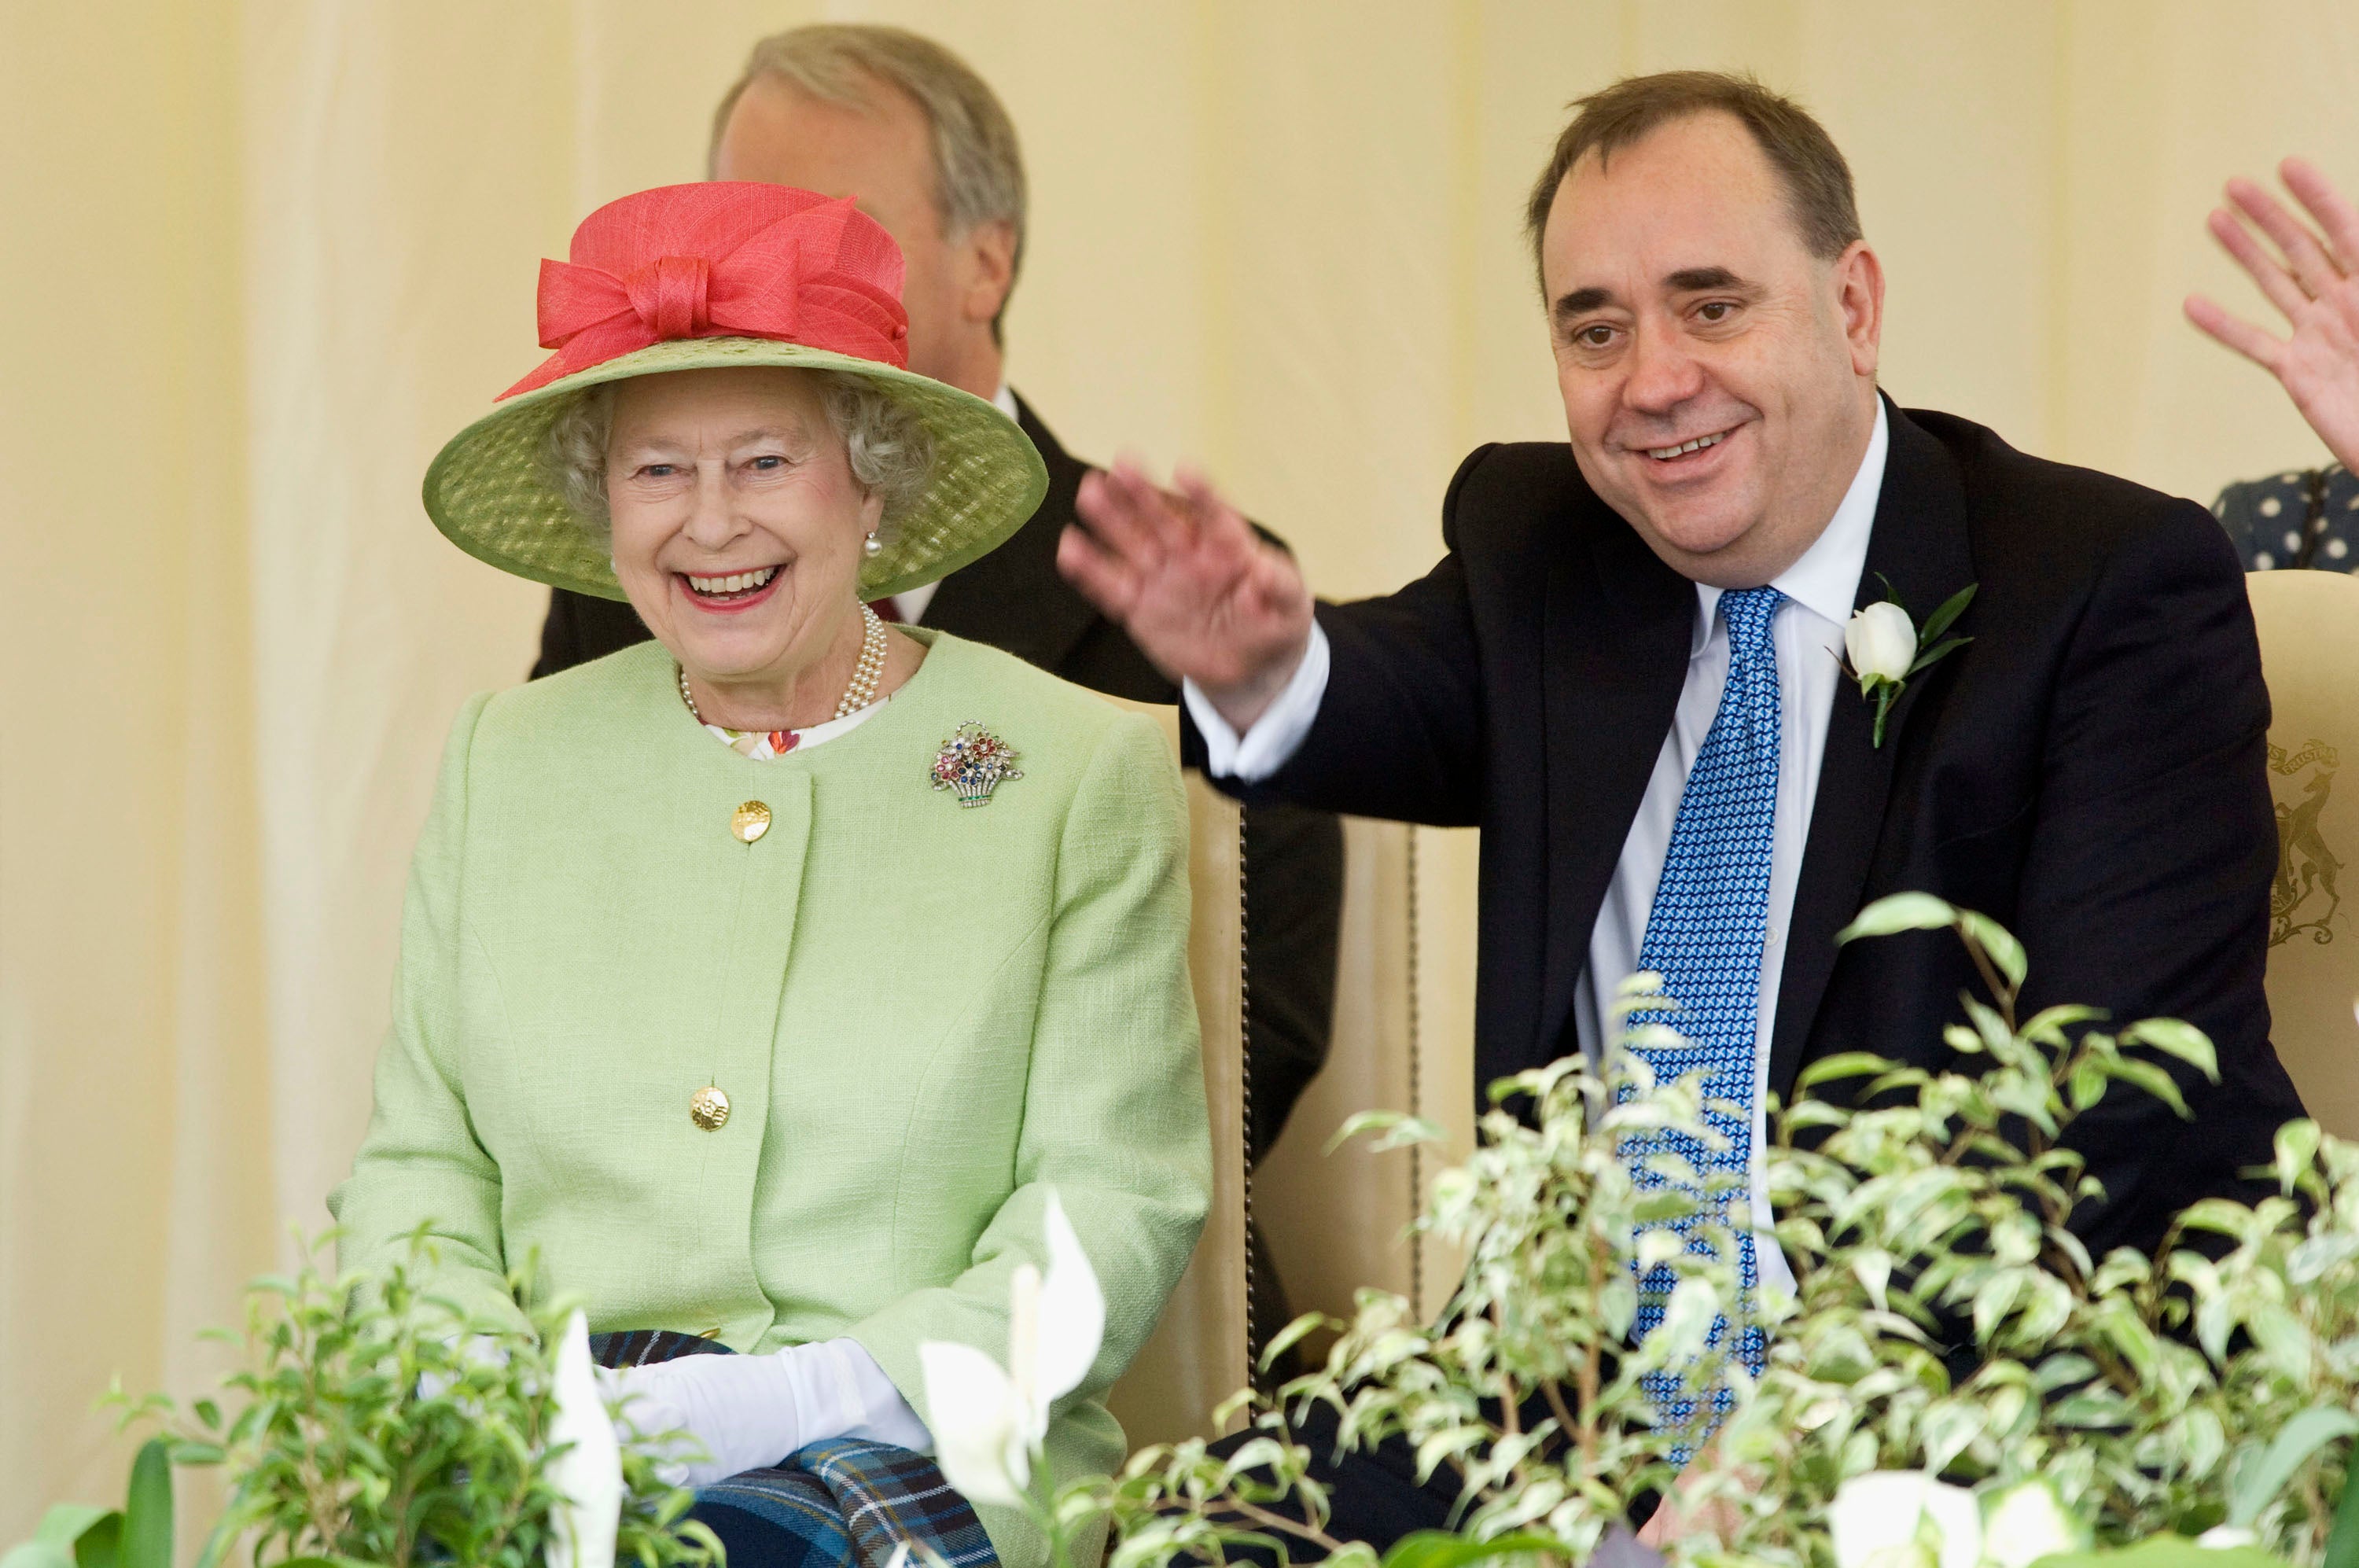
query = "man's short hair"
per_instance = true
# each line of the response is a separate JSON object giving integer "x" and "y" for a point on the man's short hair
{"x": 1816, "y": 179}
{"x": 978, "y": 168}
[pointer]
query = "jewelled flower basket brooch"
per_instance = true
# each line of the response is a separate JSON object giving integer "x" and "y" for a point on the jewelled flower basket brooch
{"x": 975, "y": 762}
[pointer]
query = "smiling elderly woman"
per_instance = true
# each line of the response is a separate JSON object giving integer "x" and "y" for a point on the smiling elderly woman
{"x": 763, "y": 981}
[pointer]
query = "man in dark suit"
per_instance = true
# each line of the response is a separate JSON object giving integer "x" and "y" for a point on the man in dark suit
{"x": 1624, "y": 670}
{"x": 905, "y": 126}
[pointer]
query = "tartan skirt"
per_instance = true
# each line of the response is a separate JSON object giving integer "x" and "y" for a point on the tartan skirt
{"x": 843, "y": 1503}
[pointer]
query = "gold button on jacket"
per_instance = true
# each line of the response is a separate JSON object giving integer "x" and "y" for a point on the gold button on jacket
{"x": 708, "y": 1108}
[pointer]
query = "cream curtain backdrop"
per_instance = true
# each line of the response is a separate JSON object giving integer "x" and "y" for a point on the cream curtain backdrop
{"x": 262, "y": 255}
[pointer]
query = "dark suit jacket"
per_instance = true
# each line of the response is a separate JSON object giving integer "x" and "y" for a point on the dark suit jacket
{"x": 2089, "y": 770}
{"x": 1015, "y": 598}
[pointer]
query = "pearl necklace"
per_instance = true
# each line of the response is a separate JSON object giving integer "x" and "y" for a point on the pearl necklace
{"x": 861, "y": 689}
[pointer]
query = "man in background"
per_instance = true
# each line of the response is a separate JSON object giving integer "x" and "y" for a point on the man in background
{"x": 905, "y": 126}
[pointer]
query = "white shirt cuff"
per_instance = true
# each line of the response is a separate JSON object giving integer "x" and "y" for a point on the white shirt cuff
{"x": 1275, "y": 737}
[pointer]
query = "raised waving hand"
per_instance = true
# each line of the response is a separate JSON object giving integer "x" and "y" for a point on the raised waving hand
{"x": 1203, "y": 597}
{"x": 2311, "y": 276}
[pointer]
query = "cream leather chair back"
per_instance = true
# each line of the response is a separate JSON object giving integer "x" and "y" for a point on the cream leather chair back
{"x": 1336, "y": 1222}
{"x": 2309, "y": 654}
{"x": 1197, "y": 1358}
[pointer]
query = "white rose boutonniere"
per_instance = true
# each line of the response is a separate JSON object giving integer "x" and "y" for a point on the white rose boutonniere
{"x": 1881, "y": 648}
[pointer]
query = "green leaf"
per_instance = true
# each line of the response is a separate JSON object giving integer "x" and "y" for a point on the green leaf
{"x": 2167, "y": 1552}
{"x": 1399, "y": 1129}
{"x": 1938, "y": 652}
{"x": 1950, "y": 609}
{"x": 68, "y": 1522}
{"x": 2048, "y": 1025}
{"x": 2342, "y": 1544}
{"x": 2154, "y": 1081}
{"x": 1292, "y": 1335}
{"x": 100, "y": 1546}
{"x": 147, "y": 1515}
{"x": 2296, "y": 1146}
{"x": 1874, "y": 1270}
{"x": 1945, "y": 1429}
{"x": 38, "y": 1554}
{"x": 2173, "y": 1038}
{"x": 1843, "y": 1065}
{"x": 2087, "y": 1084}
{"x": 1994, "y": 1301}
{"x": 2297, "y": 1440}
{"x": 1997, "y": 943}
{"x": 1441, "y": 1549}
{"x": 1899, "y": 912}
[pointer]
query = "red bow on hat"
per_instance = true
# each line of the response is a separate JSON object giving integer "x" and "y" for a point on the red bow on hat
{"x": 722, "y": 259}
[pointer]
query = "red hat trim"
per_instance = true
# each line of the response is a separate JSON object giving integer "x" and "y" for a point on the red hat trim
{"x": 722, "y": 259}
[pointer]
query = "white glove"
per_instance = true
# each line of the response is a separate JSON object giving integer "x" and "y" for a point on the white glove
{"x": 706, "y": 1418}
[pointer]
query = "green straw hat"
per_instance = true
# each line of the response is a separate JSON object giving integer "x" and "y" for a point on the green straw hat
{"x": 718, "y": 273}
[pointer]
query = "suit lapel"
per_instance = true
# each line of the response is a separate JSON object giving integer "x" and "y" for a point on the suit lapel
{"x": 1014, "y": 598}
{"x": 1619, "y": 624}
{"x": 1921, "y": 544}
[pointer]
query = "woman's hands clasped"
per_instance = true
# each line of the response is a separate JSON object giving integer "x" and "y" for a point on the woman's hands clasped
{"x": 2312, "y": 277}
{"x": 1203, "y": 597}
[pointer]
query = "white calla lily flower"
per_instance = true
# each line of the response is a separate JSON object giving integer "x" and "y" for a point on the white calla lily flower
{"x": 1889, "y": 1518}
{"x": 1881, "y": 642}
{"x": 973, "y": 1410}
{"x": 2027, "y": 1521}
{"x": 989, "y": 1424}
{"x": 2227, "y": 1537}
{"x": 588, "y": 1473}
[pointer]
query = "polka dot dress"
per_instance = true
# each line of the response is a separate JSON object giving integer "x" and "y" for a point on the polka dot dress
{"x": 2306, "y": 519}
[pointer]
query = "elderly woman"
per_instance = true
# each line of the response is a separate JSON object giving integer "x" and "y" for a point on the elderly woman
{"x": 763, "y": 981}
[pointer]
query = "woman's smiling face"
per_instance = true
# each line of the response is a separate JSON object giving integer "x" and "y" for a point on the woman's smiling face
{"x": 738, "y": 524}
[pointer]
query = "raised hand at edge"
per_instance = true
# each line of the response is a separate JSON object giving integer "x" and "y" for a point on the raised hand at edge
{"x": 2311, "y": 276}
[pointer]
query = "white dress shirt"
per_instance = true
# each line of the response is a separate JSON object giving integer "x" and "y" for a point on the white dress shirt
{"x": 912, "y": 604}
{"x": 1808, "y": 635}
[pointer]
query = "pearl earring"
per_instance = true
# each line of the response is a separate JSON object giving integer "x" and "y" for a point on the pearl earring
{"x": 874, "y": 545}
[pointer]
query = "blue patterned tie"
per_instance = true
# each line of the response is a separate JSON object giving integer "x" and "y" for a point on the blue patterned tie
{"x": 1703, "y": 937}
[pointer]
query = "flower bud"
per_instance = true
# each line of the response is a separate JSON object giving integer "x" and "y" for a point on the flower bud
{"x": 1881, "y": 642}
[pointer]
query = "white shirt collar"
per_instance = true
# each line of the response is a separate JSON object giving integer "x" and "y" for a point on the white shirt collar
{"x": 1006, "y": 401}
{"x": 1825, "y": 581}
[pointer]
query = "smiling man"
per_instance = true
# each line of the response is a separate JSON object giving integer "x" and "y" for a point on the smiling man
{"x": 1626, "y": 671}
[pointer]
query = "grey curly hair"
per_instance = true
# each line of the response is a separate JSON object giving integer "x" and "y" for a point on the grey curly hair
{"x": 890, "y": 449}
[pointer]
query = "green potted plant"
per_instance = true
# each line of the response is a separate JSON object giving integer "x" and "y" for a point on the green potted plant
{"x": 375, "y": 1424}
{"x": 2191, "y": 1408}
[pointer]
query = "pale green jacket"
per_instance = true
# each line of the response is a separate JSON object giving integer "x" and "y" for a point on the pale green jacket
{"x": 924, "y": 1016}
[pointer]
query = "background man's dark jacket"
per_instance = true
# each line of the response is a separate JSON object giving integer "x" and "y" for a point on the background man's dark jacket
{"x": 1015, "y": 599}
{"x": 2090, "y": 770}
